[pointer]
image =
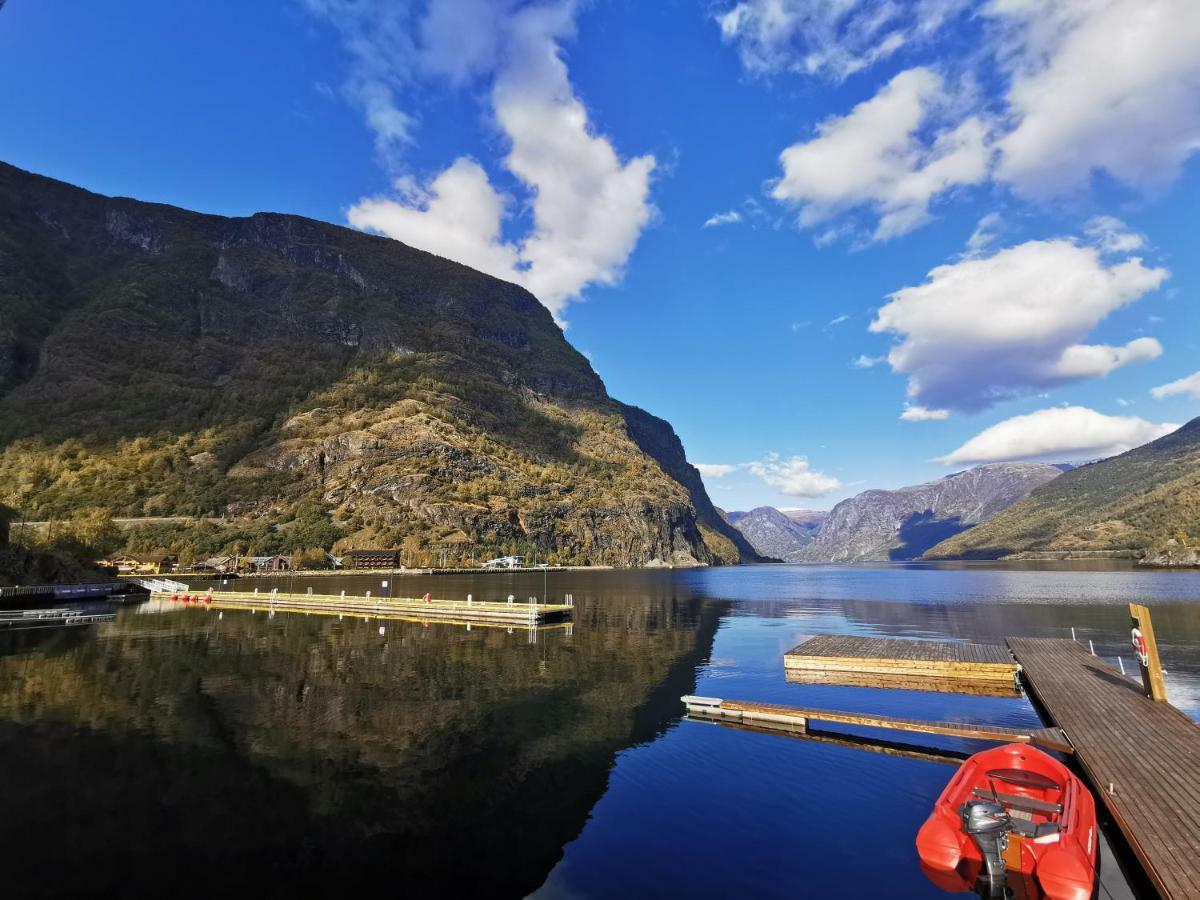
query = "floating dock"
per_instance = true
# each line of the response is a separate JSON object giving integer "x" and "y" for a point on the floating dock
{"x": 797, "y": 718}
{"x": 1142, "y": 757}
{"x": 904, "y": 664}
{"x": 512, "y": 614}
{"x": 51, "y": 618}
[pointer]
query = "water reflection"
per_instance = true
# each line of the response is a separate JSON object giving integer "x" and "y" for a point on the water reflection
{"x": 207, "y": 751}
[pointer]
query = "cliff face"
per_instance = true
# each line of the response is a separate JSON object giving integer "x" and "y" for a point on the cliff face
{"x": 903, "y": 524}
{"x": 1144, "y": 501}
{"x": 155, "y": 361}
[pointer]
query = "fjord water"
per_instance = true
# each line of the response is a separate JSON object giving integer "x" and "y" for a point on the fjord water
{"x": 191, "y": 752}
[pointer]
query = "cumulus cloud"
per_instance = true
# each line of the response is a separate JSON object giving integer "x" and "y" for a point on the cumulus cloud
{"x": 831, "y": 38}
{"x": 1098, "y": 85}
{"x": 922, "y": 414}
{"x": 1189, "y": 385}
{"x": 589, "y": 207}
{"x": 458, "y": 215}
{"x": 726, "y": 218}
{"x": 714, "y": 470}
{"x": 794, "y": 476}
{"x": 1059, "y": 434}
{"x": 986, "y": 329}
{"x": 885, "y": 155}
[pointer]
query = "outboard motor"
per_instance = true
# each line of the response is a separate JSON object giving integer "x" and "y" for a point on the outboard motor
{"x": 988, "y": 825}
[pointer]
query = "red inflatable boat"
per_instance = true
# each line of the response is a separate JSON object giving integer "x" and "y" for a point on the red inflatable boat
{"x": 1012, "y": 821}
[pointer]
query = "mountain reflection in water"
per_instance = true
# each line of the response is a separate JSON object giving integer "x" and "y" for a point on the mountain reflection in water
{"x": 191, "y": 752}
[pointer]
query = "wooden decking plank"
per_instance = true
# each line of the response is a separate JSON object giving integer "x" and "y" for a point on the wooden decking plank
{"x": 1149, "y": 750}
{"x": 854, "y": 646}
{"x": 1048, "y": 737}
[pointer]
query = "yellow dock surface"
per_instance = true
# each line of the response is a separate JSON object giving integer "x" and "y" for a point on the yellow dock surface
{"x": 905, "y": 664}
{"x": 462, "y": 611}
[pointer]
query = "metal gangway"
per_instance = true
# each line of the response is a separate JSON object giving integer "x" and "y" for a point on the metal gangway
{"x": 158, "y": 585}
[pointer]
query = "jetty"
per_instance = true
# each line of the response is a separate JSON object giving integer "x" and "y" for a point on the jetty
{"x": 897, "y": 663}
{"x": 1140, "y": 755}
{"x": 776, "y": 717}
{"x": 511, "y": 612}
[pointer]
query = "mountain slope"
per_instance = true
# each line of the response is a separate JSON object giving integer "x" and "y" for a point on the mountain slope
{"x": 1137, "y": 501}
{"x": 903, "y": 524}
{"x": 776, "y": 534}
{"x": 155, "y": 361}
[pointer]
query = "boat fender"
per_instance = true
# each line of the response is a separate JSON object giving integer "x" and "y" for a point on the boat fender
{"x": 940, "y": 846}
{"x": 1064, "y": 876}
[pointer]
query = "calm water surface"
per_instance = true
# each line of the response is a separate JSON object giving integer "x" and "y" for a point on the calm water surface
{"x": 191, "y": 752}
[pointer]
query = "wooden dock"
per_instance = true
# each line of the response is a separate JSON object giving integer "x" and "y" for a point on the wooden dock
{"x": 899, "y": 663}
{"x": 514, "y": 614}
{"x": 797, "y": 718}
{"x": 1142, "y": 757}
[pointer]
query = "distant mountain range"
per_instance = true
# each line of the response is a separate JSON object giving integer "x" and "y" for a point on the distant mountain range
{"x": 1145, "y": 503}
{"x": 893, "y": 525}
{"x": 779, "y": 534}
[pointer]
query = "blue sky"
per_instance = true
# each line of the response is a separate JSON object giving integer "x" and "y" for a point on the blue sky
{"x": 979, "y": 212}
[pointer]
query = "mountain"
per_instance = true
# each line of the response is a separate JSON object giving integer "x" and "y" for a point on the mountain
{"x": 313, "y": 383}
{"x": 778, "y": 534}
{"x": 903, "y": 524}
{"x": 1138, "y": 502}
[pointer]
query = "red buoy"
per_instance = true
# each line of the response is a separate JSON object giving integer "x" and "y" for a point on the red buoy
{"x": 208, "y": 598}
{"x": 174, "y": 596}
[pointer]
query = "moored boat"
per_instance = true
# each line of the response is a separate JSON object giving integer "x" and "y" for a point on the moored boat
{"x": 1012, "y": 821}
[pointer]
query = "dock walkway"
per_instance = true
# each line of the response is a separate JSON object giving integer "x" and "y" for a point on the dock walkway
{"x": 1142, "y": 757}
{"x": 462, "y": 611}
{"x": 797, "y": 718}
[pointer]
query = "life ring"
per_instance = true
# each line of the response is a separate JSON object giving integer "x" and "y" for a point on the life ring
{"x": 1140, "y": 648}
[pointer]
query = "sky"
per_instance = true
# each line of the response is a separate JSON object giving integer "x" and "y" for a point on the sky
{"x": 838, "y": 244}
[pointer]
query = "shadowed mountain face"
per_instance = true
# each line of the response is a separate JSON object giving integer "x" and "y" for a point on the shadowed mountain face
{"x": 776, "y": 534}
{"x": 903, "y": 524}
{"x": 1144, "y": 501}
{"x": 320, "y": 757}
{"x": 156, "y": 362}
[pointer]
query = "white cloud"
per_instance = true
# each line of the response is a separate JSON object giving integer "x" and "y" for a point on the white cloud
{"x": 1112, "y": 235}
{"x": 984, "y": 235}
{"x": 885, "y": 154}
{"x": 458, "y": 215}
{"x": 1097, "y": 360}
{"x": 588, "y": 206}
{"x": 1058, "y": 435}
{"x": 1189, "y": 385}
{"x": 867, "y": 362}
{"x": 1098, "y": 85}
{"x": 832, "y": 38}
{"x": 714, "y": 470}
{"x": 922, "y": 414}
{"x": 838, "y": 320}
{"x": 793, "y": 477}
{"x": 986, "y": 329}
{"x": 726, "y": 218}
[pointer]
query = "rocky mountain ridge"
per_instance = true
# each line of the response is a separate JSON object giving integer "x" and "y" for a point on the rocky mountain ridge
{"x": 778, "y": 534}
{"x": 156, "y": 361}
{"x": 1143, "y": 503}
{"x": 903, "y": 524}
